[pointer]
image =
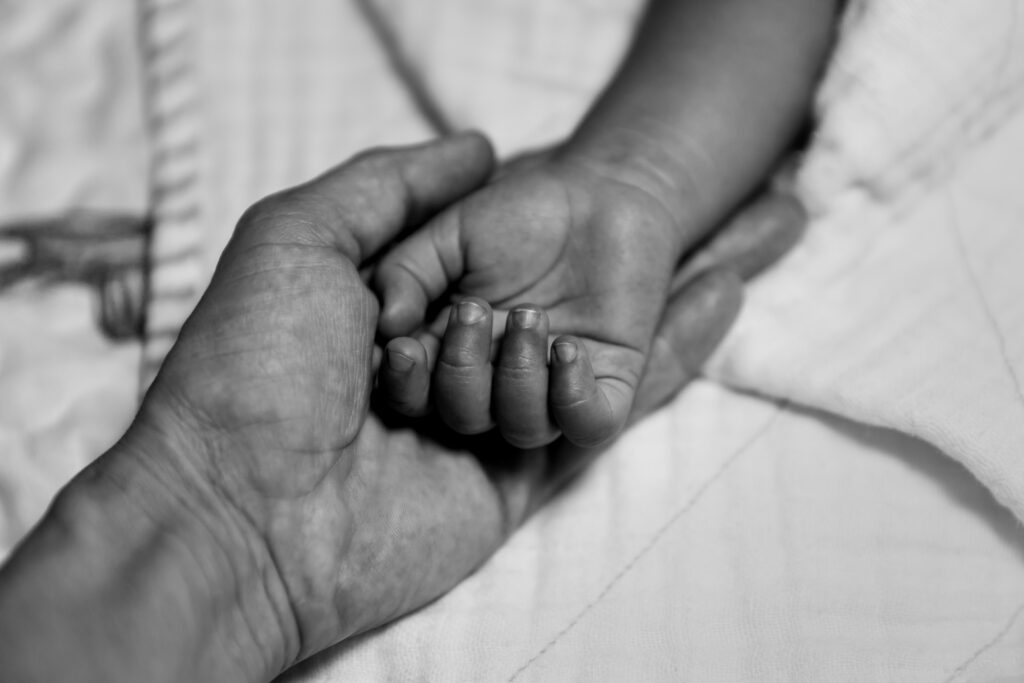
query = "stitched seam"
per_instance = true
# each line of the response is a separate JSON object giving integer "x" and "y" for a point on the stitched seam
{"x": 658, "y": 535}
{"x": 1007, "y": 627}
{"x": 982, "y": 298}
{"x": 969, "y": 117}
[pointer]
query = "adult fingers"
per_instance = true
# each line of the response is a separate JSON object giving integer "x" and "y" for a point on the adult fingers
{"x": 706, "y": 293}
{"x": 695, "y": 321}
{"x": 360, "y": 206}
{"x": 417, "y": 271}
{"x": 760, "y": 234}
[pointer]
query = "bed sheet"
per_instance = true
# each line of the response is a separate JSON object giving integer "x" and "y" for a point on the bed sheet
{"x": 902, "y": 307}
{"x": 73, "y": 193}
{"x": 848, "y": 591}
{"x": 729, "y": 537}
{"x": 733, "y": 538}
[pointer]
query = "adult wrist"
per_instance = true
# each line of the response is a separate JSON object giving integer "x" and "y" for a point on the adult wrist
{"x": 134, "y": 574}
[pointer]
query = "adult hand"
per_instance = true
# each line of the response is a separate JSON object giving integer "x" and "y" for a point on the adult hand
{"x": 708, "y": 97}
{"x": 257, "y": 511}
{"x": 555, "y": 248}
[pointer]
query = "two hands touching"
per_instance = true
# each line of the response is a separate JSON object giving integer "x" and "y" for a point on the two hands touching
{"x": 578, "y": 246}
{"x": 287, "y": 511}
{"x": 559, "y": 258}
{"x": 356, "y": 515}
{"x": 264, "y": 506}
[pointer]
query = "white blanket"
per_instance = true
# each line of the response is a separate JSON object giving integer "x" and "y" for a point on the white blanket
{"x": 730, "y": 537}
{"x": 898, "y": 310}
{"x": 72, "y": 136}
{"x": 903, "y": 307}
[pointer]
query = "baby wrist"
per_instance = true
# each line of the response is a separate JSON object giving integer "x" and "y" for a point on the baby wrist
{"x": 634, "y": 157}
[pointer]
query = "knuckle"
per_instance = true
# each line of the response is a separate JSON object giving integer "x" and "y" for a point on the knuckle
{"x": 527, "y": 439}
{"x": 525, "y": 362}
{"x": 519, "y": 371}
{"x": 407, "y": 406}
{"x": 593, "y": 435}
{"x": 465, "y": 424}
{"x": 408, "y": 269}
{"x": 268, "y": 207}
{"x": 462, "y": 403}
{"x": 459, "y": 362}
{"x": 589, "y": 422}
{"x": 572, "y": 397}
{"x": 370, "y": 158}
{"x": 670, "y": 361}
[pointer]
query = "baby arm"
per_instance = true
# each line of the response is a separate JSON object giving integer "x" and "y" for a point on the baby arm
{"x": 708, "y": 98}
{"x": 711, "y": 94}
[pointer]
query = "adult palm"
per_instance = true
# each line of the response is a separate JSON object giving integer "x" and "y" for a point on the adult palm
{"x": 268, "y": 393}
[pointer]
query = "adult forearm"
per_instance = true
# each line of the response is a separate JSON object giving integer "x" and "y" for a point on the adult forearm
{"x": 710, "y": 94}
{"x": 129, "y": 577}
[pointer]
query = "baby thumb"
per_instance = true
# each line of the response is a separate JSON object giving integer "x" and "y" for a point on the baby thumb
{"x": 417, "y": 271}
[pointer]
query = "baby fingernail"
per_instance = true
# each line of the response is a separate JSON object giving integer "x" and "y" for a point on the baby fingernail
{"x": 525, "y": 318}
{"x": 399, "y": 362}
{"x": 565, "y": 351}
{"x": 470, "y": 312}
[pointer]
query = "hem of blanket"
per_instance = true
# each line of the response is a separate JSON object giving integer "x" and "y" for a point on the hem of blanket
{"x": 166, "y": 40}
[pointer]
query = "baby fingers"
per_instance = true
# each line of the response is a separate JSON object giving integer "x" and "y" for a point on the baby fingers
{"x": 521, "y": 380}
{"x": 589, "y": 411}
{"x": 530, "y": 399}
{"x": 404, "y": 377}
{"x": 462, "y": 378}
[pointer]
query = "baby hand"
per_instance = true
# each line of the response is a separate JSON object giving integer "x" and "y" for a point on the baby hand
{"x": 520, "y": 387}
{"x": 480, "y": 381}
{"x": 483, "y": 378}
{"x": 596, "y": 253}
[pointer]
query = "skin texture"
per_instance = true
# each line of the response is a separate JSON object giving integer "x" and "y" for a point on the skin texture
{"x": 260, "y": 508}
{"x": 535, "y": 384}
{"x": 587, "y": 237}
{"x": 556, "y": 239}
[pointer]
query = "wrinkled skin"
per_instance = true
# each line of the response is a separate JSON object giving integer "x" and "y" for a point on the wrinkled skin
{"x": 594, "y": 251}
{"x": 267, "y": 395}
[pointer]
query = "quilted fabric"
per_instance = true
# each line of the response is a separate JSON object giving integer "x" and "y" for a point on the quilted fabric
{"x": 811, "y": 527}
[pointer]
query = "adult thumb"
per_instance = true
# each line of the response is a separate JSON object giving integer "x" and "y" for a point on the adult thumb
{"x": 362, "y": 205}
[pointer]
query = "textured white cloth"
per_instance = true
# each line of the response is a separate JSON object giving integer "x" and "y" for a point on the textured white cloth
{"x": 71, "y": 136}
{"x": 900, "y": 309}
{"x": 730, "y": 537}
{"x": 903, "y": 306}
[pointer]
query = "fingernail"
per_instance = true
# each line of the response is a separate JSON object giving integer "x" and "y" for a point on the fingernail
{"x": 565, "y": 351}
{"x": 525, "y": 318}
{"x": 470, "y": 312}
{"x": 399, "y": 362}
